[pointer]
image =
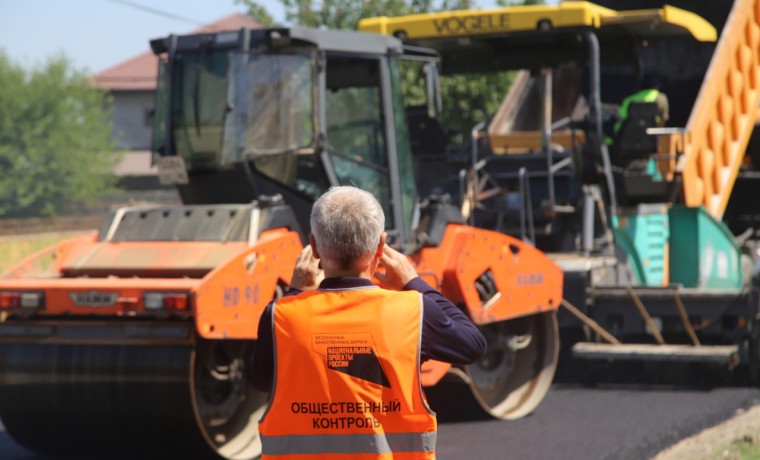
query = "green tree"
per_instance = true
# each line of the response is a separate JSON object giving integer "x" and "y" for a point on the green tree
{"x": 519, "y": 2}
{"x": 335, "y": 14}
{"x": 345, "y": 14}
{"x": 55, "y": 139}
{"x": 257, "y": 12}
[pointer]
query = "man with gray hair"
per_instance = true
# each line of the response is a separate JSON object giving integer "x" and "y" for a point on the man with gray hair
{"x": 342, "y": 356}
{"x": 346, "y": 225}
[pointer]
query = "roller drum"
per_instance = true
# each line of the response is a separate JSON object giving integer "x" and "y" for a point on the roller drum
{"x": 511, "y": 380}
{"x": 137, "y": 401}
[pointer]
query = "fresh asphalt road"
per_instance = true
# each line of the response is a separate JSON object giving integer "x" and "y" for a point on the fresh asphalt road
{"x": 572, "y": 423}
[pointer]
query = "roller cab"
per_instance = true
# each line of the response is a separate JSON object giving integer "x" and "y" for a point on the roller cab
{"x": 293, "y": 112}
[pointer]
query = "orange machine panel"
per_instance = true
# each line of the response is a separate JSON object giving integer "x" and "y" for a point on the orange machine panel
{"x": 231, "y": 298}
{"x": 47, "y": 262}
{"x": 530, "y": 141}
{"x": 96, "y": 296}
{"x": 149, "y": 258}
{"x": 432, "y": 372}
{"x": 525, "y": 280}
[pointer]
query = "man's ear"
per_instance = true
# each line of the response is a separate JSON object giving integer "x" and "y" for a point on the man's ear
{"x": 381, "y": 245}
{"x": 313, "y": 244}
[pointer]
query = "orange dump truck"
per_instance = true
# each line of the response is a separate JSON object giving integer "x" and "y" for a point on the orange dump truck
{"x": 135, "y": 339}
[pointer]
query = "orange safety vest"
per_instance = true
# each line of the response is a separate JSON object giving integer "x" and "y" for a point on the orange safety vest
{"x": 347, "y": 378}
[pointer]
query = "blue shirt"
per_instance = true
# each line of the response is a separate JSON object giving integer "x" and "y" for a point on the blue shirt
{"x": 447, "y": 333}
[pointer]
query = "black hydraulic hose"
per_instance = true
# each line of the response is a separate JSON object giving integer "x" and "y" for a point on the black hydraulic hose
{"x": 251, "y": 179}
{"x": 169, "y": 125}
{"x": 595, "y": 114}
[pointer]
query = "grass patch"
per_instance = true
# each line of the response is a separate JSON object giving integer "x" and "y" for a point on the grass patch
{"x": 15, "y": 249}
{"x": 745, "y": 448}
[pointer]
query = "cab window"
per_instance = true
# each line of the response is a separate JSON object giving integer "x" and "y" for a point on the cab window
{"x": 356, "y": 127}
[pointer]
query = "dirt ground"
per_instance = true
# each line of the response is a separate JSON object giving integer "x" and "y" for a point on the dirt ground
{"x": 724, "y": 441}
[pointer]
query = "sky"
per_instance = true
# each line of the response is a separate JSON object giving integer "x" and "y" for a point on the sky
{"x": 98, "y": 34}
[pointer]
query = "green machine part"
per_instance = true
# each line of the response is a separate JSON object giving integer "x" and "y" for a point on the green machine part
{"x": 703, "y": 251}
{"x": 679, "y": 245}
{"x": 642, "y": 233}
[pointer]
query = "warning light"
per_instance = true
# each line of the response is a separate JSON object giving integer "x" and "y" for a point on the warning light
{"x": 165, "y": 301}
{"x": 10, "y": 300}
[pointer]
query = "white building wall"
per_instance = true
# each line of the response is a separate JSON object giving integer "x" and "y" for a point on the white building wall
{"x": 132, "y": 119}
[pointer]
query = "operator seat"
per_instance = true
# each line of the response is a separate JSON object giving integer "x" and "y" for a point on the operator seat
{"x": 426, "y": 134}
{"x": 637, "y": 178}
{"x": 632, "y": 142}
